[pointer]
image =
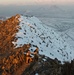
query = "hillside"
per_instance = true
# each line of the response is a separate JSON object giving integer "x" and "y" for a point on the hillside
{"x": 19, "y": 30}
{"x": 18, "y": 33}
{"x": 49, "y": 43}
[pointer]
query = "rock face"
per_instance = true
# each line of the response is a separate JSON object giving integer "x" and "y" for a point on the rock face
{"x": 68, "y": 68}
{"x": 7, "y": 33}
{"x": 44, "y": 66}
{"x": 8, "y": 53}
{"x": 47, "y": 66}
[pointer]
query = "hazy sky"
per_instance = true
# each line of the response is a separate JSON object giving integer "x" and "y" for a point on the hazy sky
{"x": 11, "y": 7}
{"x": 31, "y": 2}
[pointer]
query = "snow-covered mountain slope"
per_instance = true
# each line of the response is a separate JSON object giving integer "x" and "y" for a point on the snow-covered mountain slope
{"x": 37, "y": 34}
{"x": 68, "y": 36}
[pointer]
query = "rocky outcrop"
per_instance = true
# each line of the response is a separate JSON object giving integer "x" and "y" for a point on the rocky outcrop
{"x": 7, "y": 31}
{"x": 44, "y": 66}
{"x": 68, "y": 68}
{"x": 8, "y": 52}
{"x": 47, "y": 66}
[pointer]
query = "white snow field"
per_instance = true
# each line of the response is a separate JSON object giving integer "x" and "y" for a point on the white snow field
{"x": 50, "y": 43}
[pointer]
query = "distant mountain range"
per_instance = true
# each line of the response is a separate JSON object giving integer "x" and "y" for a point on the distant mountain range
{"x": 52, "y": 11}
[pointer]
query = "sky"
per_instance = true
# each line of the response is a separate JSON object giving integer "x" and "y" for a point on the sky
{"x": 32, "y": 2}
{"x": 11, "y": 7}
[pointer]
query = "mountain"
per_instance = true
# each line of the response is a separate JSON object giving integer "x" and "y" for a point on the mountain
{"x": 20, "y": 30}
{"x": 20, "y": 33}
{"x": 48, "y": 11}
{"x": 50, "y": 44}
